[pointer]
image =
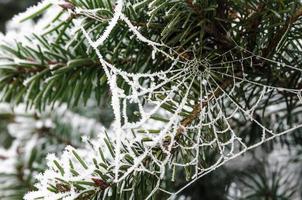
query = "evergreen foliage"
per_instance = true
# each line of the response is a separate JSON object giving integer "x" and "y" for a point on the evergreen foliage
{"x": 225, "y": 75}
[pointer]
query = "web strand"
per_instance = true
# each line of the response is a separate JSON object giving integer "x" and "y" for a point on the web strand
{"x": 214, "y": 128}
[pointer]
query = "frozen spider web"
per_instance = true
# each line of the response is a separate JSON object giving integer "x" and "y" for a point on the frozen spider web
{"x": 202, "y": 110}
{"x": 193, "y": 108}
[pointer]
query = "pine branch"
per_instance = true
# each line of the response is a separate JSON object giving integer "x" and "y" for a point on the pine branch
{"x": 138, "y": 166}
{"x": 276, "y": 39}
{"x": 214, "y": 28}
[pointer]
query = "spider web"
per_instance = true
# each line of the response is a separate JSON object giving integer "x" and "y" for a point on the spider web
{"x": 192, "y": 108}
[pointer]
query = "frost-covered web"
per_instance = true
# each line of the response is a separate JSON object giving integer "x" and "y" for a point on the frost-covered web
{"x": 190, "y": 113}
{"x": 197, "y": 115}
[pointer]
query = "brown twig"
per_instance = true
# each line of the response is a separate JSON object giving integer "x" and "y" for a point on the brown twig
{"x": 280, "y": 33}
{"x": 195, "y": 8}
{"x": 101, "y": 183}
{"x": 2, "y": 157}
{"x": 212, "y": 28}
{"x": 199, "y": 106}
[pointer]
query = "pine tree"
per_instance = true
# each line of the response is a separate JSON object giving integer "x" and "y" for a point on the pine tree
{"x": 152, "y": 99}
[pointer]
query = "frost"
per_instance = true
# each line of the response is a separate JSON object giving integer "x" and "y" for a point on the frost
{"x": 213, "y": 107}
{"x": 170, "y": 118}
{"x": 24, "y": 127}
{"x": 33, "y": 10}
{"x": 112, "y": 23}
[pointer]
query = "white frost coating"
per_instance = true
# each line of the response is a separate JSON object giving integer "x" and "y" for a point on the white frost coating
{"x": 207, "y": 118}
{"x": 34, "y": 9}
{"x": 161, "y": 128}
{"x": 118, "y": 121}
{"x": 17, "y": 31}
{"x": 25, "y": 127}
{"x": 137, "y": 33}
{"x": 117, "y": 13}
